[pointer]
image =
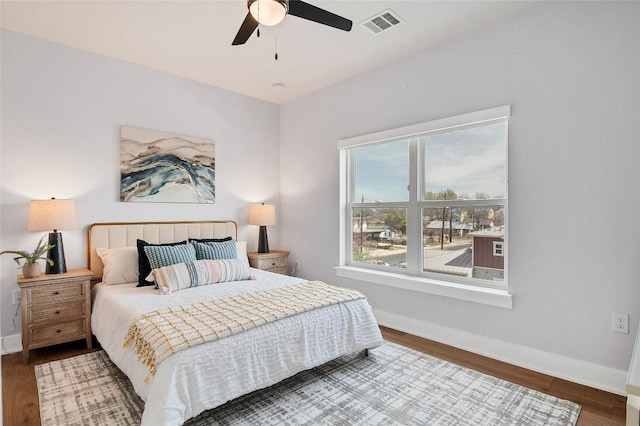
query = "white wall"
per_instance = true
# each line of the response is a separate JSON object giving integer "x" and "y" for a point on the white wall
{"x": 61, "y": 115}
{"x": 570, "y": 71}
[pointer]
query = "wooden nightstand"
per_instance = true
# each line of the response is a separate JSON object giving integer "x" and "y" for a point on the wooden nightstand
{"x": 56, "y": 308}
{"x": 274, "y": 261}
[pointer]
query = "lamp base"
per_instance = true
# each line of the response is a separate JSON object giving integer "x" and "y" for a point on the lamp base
{"x": 56, "y": 253}
{"x": 263, "y": 241}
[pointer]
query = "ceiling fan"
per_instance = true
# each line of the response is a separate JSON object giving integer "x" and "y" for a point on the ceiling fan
{"x": 272, "y": 12}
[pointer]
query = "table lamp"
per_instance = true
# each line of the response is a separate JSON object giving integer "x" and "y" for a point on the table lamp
{"x": 53, "y": 214}
{"x": 262, "y": 215}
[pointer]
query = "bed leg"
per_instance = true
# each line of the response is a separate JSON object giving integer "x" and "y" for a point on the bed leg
{"x": 366, "y": 352}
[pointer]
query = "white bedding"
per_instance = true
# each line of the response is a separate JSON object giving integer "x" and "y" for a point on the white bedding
{"x": 208, "y": 375}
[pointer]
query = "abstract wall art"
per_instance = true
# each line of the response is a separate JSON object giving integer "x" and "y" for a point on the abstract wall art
{"x": 163, "y": 167}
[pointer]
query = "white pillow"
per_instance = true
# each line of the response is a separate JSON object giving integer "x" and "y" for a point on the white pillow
{"x": 120, "y": 265}
{"x": 241, "y": 252}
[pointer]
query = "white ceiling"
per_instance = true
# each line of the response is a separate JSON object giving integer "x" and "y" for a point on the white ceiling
{"x": 192, "y": 39}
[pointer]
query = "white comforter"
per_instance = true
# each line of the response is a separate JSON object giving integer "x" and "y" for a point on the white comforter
{"x": 208, "y": 375}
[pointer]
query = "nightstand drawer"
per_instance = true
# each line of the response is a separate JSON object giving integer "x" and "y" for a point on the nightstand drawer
{"x": 54, "y": 292}
{"x": 51, "y": 333}
{"x": 276, "y": 262}
{"x": 282, "y": 271}
{"x": 56, "y": 313}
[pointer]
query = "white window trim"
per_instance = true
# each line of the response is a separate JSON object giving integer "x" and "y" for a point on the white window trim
{"x": 407, "y": 132}
{"x": 496, "y": 244}
{"x": 484, "y": 295}
{"x": 499, "y": 297}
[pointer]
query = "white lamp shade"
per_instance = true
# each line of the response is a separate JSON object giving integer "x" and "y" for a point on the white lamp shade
{"x": 53, "y": 214}
{"x": 262, "y": 214}
{"x": 268, "y": 12}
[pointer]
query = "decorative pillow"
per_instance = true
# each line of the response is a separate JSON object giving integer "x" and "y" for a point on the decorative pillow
{"x": 198, "y": 273}
{"x": 120, "y": 265}
{"x": 211, "y": 250}
{"x": 241, "y": 251}
{"x": 160, "y": 256}
{"x": 144, "y": 268}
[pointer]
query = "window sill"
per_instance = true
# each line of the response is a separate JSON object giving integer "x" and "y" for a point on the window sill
{"x": 488, "y": 296}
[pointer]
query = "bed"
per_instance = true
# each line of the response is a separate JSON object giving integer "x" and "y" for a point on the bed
{"x": 207, "y": 375}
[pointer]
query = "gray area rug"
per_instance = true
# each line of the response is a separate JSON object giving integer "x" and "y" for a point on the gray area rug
{"x": 393, "y": 386}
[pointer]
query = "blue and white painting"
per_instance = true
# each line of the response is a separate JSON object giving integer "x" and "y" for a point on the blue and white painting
{"x": 162, "y": 167}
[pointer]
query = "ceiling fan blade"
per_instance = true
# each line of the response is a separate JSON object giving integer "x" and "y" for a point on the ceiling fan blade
{"x": 246, "y": 29}
{"x": 307, "y": 11}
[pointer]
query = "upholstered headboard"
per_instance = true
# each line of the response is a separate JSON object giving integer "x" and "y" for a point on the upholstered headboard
{"x": 125, "y": 234}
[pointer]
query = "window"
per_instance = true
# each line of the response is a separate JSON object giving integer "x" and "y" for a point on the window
{"x": 429, "y": 200}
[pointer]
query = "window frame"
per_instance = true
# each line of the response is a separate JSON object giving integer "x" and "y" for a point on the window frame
{"x": 414, "y": 277}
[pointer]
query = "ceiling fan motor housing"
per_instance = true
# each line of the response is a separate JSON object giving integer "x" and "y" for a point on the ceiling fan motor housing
{"x": 268, "y": 12}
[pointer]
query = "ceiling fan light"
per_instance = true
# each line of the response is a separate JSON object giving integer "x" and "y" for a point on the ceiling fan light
{"x": 268, "y": 12}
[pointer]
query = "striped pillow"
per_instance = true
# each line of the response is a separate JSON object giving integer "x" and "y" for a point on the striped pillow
{"x": 160, "y": 256}
{"x": 216, "y": 250}
{"x": 198, "y": 273}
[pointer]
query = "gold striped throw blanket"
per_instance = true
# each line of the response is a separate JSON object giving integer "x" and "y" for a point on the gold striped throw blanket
{"x": 158, "y": 334}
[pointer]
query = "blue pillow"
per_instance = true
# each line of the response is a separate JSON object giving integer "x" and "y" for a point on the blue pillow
{"x": 160, "y": 256}
{"x": 144, "y": 269}
{"x": 216, "y": 250}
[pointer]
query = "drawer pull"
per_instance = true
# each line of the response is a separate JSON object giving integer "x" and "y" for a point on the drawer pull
{"x": 56, "y": 292}
{"x": 273, "y": 264}
{"x": 58, "y": 312}
{"x": 58, "y": 331}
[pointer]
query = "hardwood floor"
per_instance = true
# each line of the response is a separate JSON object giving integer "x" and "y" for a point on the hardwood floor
{"x": 599, "y": 408}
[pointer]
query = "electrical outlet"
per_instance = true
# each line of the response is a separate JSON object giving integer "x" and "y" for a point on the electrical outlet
{"x": 620, "y": 322}
{"x": 16, "y": 296}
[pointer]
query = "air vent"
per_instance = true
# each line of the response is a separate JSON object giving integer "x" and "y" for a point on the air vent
{"x": 382, "y": 21}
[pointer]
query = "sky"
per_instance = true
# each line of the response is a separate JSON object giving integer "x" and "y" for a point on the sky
{"x": 468, "y": 160}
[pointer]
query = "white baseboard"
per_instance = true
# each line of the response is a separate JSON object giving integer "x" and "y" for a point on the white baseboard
{"x": 575, "y": 370}
{"x": 11, "y": 344}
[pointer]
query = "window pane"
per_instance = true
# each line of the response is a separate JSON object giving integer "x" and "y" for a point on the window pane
{"x": 467, "y": 163}
{"x": 381, "y": 172}
{"x": 460, "y": 240}
{"x": 379, "y": 236}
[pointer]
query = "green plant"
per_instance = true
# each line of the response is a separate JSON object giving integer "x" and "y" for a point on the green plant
{"x": 36, "y": 254}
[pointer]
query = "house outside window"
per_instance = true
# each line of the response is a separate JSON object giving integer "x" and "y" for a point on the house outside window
{"x": 498, "y": 248}
{"x": 429, "y": 200}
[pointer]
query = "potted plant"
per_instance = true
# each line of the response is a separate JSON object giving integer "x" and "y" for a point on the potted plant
{"x": 31, "y": 267}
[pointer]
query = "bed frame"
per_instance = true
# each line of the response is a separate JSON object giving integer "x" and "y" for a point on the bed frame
{"x": 125, "y": 234}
